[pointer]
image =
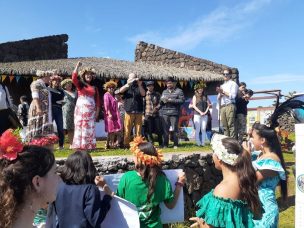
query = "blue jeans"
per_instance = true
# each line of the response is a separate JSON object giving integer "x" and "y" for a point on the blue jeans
{"x": 57, "y": 116}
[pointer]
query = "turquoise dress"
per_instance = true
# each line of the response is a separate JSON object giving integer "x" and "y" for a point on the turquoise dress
{"x": 224, "y": 212}
{"x": 266, "y": 190}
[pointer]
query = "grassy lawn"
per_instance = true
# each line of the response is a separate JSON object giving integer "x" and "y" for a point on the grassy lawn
{"x": 101, "y": 151}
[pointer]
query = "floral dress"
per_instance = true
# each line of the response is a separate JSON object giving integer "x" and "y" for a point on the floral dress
{"x": 39, "y": 125}
{"x": 266, "y": 190}
{"x": 84, "y": 116}
{"x": 68, "y": 109}
{"x": 224, "y": 212}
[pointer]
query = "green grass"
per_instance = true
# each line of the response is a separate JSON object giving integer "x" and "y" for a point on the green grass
{"x": 186, "y": 147}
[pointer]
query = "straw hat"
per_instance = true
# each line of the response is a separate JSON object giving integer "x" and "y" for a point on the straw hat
{"x": 132, "y": 77}
{"x": 108, "y": 84}
{"x": 87, "y": 70}
{"x": 65, "y": 81}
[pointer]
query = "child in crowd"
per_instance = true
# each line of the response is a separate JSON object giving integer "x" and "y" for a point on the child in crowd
{"x": 270, "y": 170}
{"x": 147, "y": 186}
{"x": 234, "y": 202}
{"x": 78, "y": 202}
{"x": 28, "y": 180}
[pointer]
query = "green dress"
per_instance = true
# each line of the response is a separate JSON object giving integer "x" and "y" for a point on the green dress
{"x": 132, "y": 188}
{"x": 224, "y": 212}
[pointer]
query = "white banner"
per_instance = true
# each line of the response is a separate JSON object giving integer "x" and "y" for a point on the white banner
{"x": 299, "y": 182}
{"x": 122, "y": 214}
{"x": 167, "y": 215}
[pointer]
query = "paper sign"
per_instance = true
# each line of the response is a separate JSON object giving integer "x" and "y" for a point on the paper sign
{"x": 122, "y": 214}
{"x": 167, "y": 215}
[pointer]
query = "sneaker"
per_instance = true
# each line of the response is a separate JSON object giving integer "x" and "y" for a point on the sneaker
{"x": 175, "y": 147}
{"x": 60, "y": 148}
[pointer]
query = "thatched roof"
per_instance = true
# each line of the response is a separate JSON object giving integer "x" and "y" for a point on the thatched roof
{"x": 109, "y": 68}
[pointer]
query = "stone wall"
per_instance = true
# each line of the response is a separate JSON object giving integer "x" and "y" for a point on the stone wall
{"x": 199, "y": 168}
{"x": 153, "y": 54}
{"x": 49, "y": 47}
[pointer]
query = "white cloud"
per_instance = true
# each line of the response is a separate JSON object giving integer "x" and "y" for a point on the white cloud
{"x": 221, "y": 24}
{"x": 276, "y": 79}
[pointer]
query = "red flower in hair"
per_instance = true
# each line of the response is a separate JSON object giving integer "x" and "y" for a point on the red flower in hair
{"x": 10, "y": 145}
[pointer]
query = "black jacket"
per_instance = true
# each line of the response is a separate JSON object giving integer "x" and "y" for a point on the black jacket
{"x": 171, "y": 101}
{"x": 134, "y": 102}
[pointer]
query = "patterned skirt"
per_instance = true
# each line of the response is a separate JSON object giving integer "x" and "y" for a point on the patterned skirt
{"x": 39, "y": 125}
{"x": 84, "y": 120}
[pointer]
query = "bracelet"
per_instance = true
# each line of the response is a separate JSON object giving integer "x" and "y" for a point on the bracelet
{"x": 179, "y": 184}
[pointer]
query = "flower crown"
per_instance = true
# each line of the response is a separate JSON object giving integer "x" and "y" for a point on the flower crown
{"x": 221, "y": 152}
{"x": 10, "y": 144}
{"x": 141, "y": 156}
{"x": 44, "y": 141}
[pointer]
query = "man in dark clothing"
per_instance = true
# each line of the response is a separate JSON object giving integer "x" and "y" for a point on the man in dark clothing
{"x": 133, "y": 93}
{"x": 152, "y": 121}
{"x": 23, "y": 108}
{"x": 171, "y": 100}
{"x": 242, "y": 101}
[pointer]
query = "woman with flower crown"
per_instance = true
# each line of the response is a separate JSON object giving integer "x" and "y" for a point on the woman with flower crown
{"x": 200, "y": 104}
{"x": 234, "y": 202}
{"x": 28, "y": 180}
{"x": 86, "y": 110}
{"x": 147, "y": 186}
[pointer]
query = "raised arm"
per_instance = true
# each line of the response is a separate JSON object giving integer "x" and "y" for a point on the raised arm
{"x": 179, "y": 184}
{"x": 75, "y": 75}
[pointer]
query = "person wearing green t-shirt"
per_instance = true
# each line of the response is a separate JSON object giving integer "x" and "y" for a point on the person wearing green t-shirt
{"x": 235, "y": 201}
{"x": 147, "y": 186}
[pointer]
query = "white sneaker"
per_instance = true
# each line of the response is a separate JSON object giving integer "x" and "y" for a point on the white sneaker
{"x": 175, "y": 147}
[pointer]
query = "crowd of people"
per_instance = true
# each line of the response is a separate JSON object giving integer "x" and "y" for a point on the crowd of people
{"x": 135, "y": 109}
{"x": 30, "y": 185}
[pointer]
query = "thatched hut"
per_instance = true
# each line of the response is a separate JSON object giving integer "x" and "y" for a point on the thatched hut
{"x": 18, "y": 75}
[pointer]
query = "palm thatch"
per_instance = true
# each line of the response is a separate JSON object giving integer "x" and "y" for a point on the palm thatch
{"x": 109, "y": 68}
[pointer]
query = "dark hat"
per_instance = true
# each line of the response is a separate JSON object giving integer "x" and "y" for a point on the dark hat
{"x": 170, "y": 79}
{"x": 149, "y": 83}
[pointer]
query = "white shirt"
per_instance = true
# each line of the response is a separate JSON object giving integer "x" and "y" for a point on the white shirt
{"x": 3, "y": 102}
{"x": 229, "y": 87}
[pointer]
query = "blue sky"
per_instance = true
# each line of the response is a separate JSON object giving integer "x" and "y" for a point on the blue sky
{"x": 264, "y": 39}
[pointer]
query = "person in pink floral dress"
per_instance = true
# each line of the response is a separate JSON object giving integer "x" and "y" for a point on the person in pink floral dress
{"x": 113, "y": 124}
{"x": 86, "y": 110}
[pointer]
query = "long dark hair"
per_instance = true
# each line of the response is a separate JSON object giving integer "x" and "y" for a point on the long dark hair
{"x": 247, "y": 177}
{"x": 148, "y": 173}
{"x": 78, "y": 169}
{"x": 16, "y": 179}
{"x": 274, "y": 145}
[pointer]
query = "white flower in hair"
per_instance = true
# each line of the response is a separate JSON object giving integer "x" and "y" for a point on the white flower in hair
{"x": 220, "y": 151}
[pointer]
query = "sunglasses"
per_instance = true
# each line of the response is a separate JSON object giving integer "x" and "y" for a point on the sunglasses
{"x": 226, "y": 74}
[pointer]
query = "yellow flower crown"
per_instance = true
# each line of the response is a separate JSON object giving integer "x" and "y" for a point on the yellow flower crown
{"x": 141, "y": 156}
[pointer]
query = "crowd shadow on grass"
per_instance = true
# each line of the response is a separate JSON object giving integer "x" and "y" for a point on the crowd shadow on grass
{"x": 284, "y": 205}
